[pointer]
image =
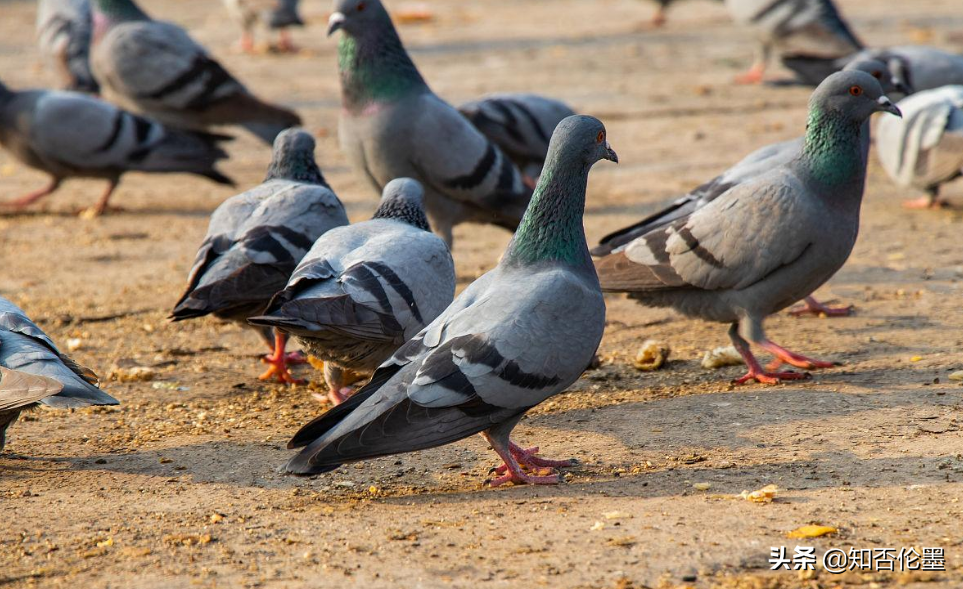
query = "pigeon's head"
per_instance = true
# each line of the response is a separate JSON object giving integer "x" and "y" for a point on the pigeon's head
{"x": 353, "y": 16}
{"x": 853, "y": 95}
{"x": 293, "y": 157}
{"x": 403, "y": 200}
{"x": 582, "y": 139}
{"x": 890, "y": 81}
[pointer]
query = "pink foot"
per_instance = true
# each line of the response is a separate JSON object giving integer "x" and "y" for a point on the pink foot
{"x": 817, "y": 309}
{"x": 278, "y": 362}
{"x": 925, "y": 202}
{"x": 771, "y": 377}
{"x": 541, "y": 470}
{"x": 785, "y": 356}
{"x": 295, "y": 358}
{"x": 334, "y": 396}
{"x": 753, "y": 76}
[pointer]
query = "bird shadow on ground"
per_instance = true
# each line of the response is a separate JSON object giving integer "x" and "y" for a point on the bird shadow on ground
{"x": 745, "y": 426}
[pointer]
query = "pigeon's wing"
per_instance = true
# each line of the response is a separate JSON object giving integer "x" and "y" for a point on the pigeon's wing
{"x": 482, "y": 362}
{"x": 455, "y": 159}
{"x": 389, "y": 282}
{"x": 520, "y": 124}
{"x": 26, "y": 348}
{"x": 752, "y": 166}
{"x": 917, "y": 149}
{"x": 19, "y": 389}
{"x": 254, "y": 243}
{"x": 699, "y": 252}
{"x": 157, "y": 66}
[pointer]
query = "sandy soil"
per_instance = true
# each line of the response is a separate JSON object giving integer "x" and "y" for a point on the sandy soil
{"x": 179, "y": 486}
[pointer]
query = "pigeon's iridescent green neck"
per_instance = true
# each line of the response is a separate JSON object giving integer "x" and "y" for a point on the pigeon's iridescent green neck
{"x": 376, "y": 68}
{"x": 833, "y": 148}
{"x": 119, "y": 10}
{"x": 551, "y": 229}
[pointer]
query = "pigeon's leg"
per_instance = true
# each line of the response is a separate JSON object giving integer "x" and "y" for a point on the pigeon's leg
{"x": 758, "y": 69}
{"x": 102, "y": 205}
{"x": 337, "y": 379}
{"x": 278, "y": 362}
{"x": 658, "y": 19}
{"x": 756, "y": 372}
{"x": 497, "y": 437}
{"x": 526, "y": 457}
{"x": 814, "y": 307}
{"x": 27, "y": 200}
{"x": 791, "y": 358}
{"x": 247, "y": 41}
{"x": 285, "y": 44}
{"x": 932, "y": 200}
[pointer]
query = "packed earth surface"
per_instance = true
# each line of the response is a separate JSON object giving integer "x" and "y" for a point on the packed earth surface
{"x": 180, "y": 485}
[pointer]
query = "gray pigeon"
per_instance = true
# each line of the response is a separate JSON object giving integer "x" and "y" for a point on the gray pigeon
{"x": 924, "y": 149}
{"x": 394, "y": 126}
{"x": 767, "y": 242}
{"x": 520, "y": 125}
{"x": 32, "y": 371}
{"x": 275, "y": 14}
{"x": 156, "y": 69}
{"x": 365, "y": 289}
{"x": 923, "y": 68}
{"x": 812, "y": 28}
{"x": 659, "y": 18}
{"x": 73, "y": 135}
{"x": 64, "y": 30}
{"x": 256, "y": 239}
{"x": 755, "y": 164}
{"x": 518, "y": 335}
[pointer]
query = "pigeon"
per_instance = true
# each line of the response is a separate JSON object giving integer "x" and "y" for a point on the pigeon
{"x": 923, "y": 68}
{"x": 74, "y": 135}
{"x": 659, "y": 18}
{"x": 255, "y": 241}
{"x": 156, "y": 69}
{"x": 32, "y": 371}
{"x": 64, "y": 29}
{"x": 766, "y": 242}
{"x": 924, "y": 149}
{"x": 755, "y": 164}
{"x": 365, "y": 289}
{"x": 393, "y": 126}
{"x": 520, "y": 125}
{"x": 518, "y": 335}
{"x": 811, "y": 28}
{"x": 276, "y": 14}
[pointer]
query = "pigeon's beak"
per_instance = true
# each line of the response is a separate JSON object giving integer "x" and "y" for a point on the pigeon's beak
{"x": 335, "y": 21}
{"x": 886, "y": 105}
{"x": 610, "y": 153}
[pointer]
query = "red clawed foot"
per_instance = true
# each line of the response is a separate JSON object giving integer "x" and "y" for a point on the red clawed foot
{"x": 925, "y": 202}
{"x": 278, "y": 361}
{"x": 815, "y": 308}
{"x": 541, "y": 471}
{"x": 785, "y": 356}
{"x": 763, "y": 377}
{"x": 753, "y": 76}
{"x": 295, "y": 358}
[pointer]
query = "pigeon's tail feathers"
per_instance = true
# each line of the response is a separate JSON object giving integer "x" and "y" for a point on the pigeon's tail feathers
{"x": 19, "y": 389}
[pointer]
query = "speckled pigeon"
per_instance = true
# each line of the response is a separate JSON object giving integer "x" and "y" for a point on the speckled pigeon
{"x": 73, "y": 135}
{"x": 393, "y": 126}
{"x": 520, "y": 125}
{"x": 765, "y": 243}
{"x": 924, "y": 149}
{"x": 155, "y": 68}
{"x": 812, "y": 28}
{"x": 365, "y": 289}
{"x": 275, "y": 14}
{"x": 921, "y": 67}
{"x": 32, "y": 371}
{"x": 64, "y": 29}
{"x": 256, "y": 239}
{"x": 516, "y": 336}
{"x": 755, "y": 164}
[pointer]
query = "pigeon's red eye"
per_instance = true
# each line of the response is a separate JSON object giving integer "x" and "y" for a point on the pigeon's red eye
{"x": 601, "y": 137}
{"x": 361, "y": 6}
{"x": 856, "y": 91}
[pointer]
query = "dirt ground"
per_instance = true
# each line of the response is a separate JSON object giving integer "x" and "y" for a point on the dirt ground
{"x": 179, "y": 486}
